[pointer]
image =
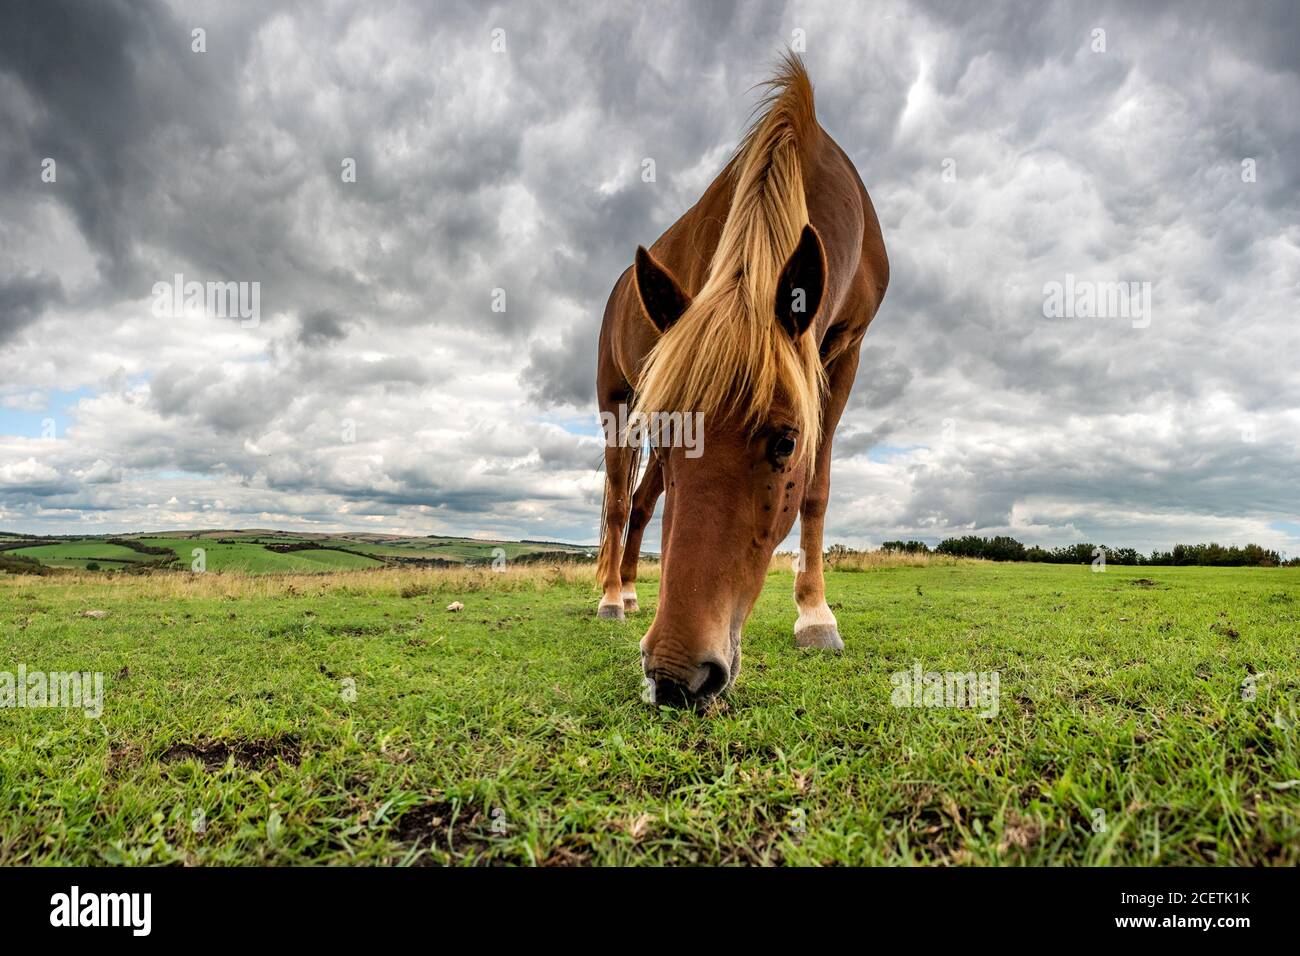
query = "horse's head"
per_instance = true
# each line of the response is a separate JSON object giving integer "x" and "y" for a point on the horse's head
{"x": 740, "y": 361}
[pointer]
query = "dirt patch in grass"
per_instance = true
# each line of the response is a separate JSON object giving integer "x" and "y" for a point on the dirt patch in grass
{"x": 250, "y": 754}
{"x": 455, "y": 828}
{"x": 570, "y": 851}
{"x": 1144, "y": 583}
{"x": 122, "y": 757}
{"x": 928, "y": 821}
{"x": 1019, "y": 832}
{"x": 355, "y": 630}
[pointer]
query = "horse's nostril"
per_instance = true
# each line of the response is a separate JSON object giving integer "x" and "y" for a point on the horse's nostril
{"x": 715, "y": 680}
{"x": 669, "y": 693}
{"x": 710, "y": 679}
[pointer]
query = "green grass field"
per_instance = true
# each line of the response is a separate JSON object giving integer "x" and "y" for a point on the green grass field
{"x": 246, "y": 551}
{"x": 77, "y": 554}
{"x": 348, "y": 718}
{"x": 255, "y": 559}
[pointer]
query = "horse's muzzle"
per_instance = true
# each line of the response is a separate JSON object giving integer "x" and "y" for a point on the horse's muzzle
{"x": 707, "y": 680}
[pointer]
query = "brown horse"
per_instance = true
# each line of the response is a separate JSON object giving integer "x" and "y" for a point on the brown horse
{"x": 748, "y": 311}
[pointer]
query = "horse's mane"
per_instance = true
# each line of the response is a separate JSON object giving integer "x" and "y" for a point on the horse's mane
{"x": 727, "y": 352}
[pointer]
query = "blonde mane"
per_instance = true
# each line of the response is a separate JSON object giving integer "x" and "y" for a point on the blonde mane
{"x": 727, "y": 352}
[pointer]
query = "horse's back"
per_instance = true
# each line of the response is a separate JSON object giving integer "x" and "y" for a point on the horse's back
{"x": 841, "y": 210}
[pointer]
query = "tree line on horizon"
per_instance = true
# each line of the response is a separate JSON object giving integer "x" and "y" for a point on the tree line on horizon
{"x": 1004, "y": 548}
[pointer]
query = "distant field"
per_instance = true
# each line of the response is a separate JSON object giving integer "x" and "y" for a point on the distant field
{"x": 255, "y": 558}
{"x": 245, "y": 551}
{"x": 1144, "y": 716}
{"x": 77, "y": 554}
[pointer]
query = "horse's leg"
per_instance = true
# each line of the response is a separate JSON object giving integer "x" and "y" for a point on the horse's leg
{"x": 643, "y": 509}
{"x": 817, "y": 626}
{"x": 619, "y": 461}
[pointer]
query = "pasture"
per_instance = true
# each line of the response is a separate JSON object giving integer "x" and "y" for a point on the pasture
{"x": 79, "y": 553}
{"x": 268, "y": 552}
{"x": 254, "y": 558}
{"x": 1144, "y": 716}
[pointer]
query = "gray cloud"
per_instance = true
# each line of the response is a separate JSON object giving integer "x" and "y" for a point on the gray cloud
{"x": 320, "y": 327}
{"x": 23, "y": 299}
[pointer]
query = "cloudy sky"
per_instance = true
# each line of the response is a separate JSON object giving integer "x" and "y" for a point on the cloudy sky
{"x": 1005, "y": 146}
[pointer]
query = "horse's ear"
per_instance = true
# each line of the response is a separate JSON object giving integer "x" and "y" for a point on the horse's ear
{"x": 802, "y": 286}
{"x": 662, "y": 299}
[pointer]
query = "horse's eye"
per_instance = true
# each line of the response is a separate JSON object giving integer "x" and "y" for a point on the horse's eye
{"x": 782, "y": 446}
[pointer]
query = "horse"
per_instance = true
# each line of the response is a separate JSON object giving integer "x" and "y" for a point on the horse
{"x": 748, "y": 311}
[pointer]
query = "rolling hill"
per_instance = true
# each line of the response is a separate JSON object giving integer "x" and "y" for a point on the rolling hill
{"x": 261, "y": 550}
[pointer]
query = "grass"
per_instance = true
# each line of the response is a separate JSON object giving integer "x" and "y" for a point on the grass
{"x": 349, "y": 718}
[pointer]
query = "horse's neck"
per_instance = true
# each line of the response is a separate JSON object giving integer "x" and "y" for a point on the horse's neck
{"x": 687, "y": 247}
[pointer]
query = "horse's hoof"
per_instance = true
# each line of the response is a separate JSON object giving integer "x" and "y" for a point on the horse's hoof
{"x": 611, "y": 612}
{"x": 823, "y": 636}
{"x": 630, "y": 605}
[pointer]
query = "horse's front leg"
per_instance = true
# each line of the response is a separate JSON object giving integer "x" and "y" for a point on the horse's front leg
{"x": 816, "y": 626}
{"x": 643, "y": 509}
{"x": 619, "y": 462}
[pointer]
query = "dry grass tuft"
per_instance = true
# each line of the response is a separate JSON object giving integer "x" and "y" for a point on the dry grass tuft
{"x": 870, "y": 560}
{"x": 384, "y": 582}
